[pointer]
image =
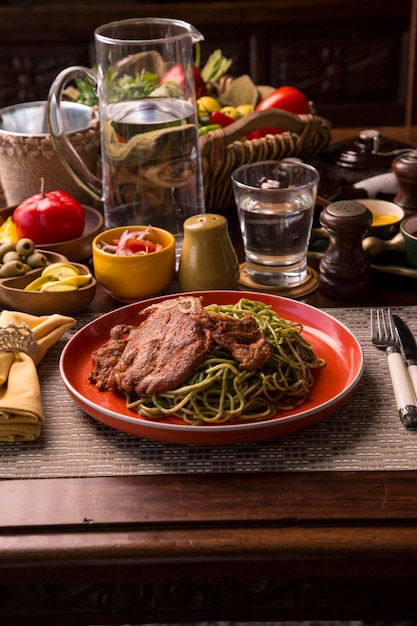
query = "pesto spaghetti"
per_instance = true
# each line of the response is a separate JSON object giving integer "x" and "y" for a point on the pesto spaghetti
{"x": 221, "y": 392}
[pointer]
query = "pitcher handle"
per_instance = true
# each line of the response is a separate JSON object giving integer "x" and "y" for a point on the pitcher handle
{"x": 65, "y": 150}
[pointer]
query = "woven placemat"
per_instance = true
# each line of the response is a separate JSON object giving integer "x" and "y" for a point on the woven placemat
{"x": 365, "y": 434}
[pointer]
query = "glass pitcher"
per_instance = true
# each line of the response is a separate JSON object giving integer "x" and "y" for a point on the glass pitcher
{"x": 151, "y": 168}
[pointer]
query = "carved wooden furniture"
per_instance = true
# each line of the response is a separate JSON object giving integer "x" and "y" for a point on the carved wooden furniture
{"x": 355, "y": 60}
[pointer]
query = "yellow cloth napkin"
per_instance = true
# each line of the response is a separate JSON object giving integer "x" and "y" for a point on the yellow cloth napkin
{"x": 21, "y": 411}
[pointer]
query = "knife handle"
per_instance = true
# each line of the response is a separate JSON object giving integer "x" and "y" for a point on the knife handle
{"x": 412, "y": 372}
{"x": 403, "y": 391}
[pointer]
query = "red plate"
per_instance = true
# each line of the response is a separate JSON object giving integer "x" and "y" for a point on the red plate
{"x": 334, "y": 384}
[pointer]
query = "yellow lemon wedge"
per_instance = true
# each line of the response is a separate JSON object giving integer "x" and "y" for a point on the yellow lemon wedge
{"x": 57, "y": 285}
{"x": 67, "y": 284}
{"x": 36, "y": 284}
{"x": 60, "y": 270}
{"x": 82, "y": 280}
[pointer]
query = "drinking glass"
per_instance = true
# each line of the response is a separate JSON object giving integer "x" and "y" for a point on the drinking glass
{"x": 275, "y": 202}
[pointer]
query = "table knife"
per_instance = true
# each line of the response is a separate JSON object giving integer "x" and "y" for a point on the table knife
{"x": 409, "y": 346}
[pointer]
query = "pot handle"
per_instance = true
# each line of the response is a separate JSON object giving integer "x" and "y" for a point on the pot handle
{"x": 65, "y": 150}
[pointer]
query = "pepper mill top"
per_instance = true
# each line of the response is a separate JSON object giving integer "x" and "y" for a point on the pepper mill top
{"x": 347, "y": 208}
{"x": 404, "y": 167}
{"x": 345, "y": 266}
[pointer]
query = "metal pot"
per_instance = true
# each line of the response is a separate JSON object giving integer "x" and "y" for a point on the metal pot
{"x": 30, "y": 119}
{"x": 369, "y": 154}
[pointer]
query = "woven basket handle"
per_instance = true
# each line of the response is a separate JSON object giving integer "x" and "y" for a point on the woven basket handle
{"x": 271, "y": 118}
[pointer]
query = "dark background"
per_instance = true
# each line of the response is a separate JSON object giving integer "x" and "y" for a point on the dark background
{"x": 355, "y": 60}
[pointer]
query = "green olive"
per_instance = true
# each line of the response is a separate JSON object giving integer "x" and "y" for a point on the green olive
{"x": 12, "y": 268}
{"x": 27, "y": 267}
{"x": 25, "y": 246}
{"x": 6, "y": 247}
{"x": 36, "y": 259}
{"x": 11, "y": 255}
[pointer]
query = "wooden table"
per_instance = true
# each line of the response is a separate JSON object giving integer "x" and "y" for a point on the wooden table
{"x": 247, "y": 547}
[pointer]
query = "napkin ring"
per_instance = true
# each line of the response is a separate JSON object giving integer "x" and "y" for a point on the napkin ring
{"x": 14, "y": 338}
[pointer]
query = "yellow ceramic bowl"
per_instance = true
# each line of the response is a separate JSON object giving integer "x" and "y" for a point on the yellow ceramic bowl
{"x": 131, "y": 278}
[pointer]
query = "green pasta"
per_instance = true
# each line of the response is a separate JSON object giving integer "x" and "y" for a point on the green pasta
{"x": 220, "y": 392}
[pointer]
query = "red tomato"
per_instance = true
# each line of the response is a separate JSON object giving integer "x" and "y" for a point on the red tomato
{"x": 135, "y": 246}
{"x": 286, "y": 98}
{"x": 177, "y": 75}
{"x": 50, "y": 217}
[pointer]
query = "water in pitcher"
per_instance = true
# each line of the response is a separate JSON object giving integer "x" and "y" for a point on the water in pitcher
{"x": 151, "y": 165}
{"x": 276, "y": 237}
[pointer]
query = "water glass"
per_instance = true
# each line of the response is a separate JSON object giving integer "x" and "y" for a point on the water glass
{"x": 275, "y": 202}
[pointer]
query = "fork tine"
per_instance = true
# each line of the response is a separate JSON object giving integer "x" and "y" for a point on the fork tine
{"x": 374, "y": 325}
{"x": 385, "y": 334}
{"x": 382, "y": 326}
{"x": 393, "y": 336}
{"x": 393, "y": 330}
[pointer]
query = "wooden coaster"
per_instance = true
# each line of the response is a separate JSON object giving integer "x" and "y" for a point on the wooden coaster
{"x": 307, "y": 286}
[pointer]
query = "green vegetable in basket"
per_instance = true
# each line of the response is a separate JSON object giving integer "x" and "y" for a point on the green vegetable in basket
{"x": 203, "y": 130}
{"x": 216, "y": 67}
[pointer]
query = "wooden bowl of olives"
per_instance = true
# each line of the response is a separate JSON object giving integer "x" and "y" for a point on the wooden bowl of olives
{"x": 21, "y": 264}
{"x": 22, "y": 257}
{"x": 15, "y": 295}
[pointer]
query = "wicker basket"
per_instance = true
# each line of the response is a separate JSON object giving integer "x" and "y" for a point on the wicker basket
{"x": 24, "y": 160}
{"x": 222, "y": 150}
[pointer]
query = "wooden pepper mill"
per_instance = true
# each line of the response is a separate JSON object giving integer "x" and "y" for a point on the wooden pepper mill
{"x": 404, "y": 167}
{"x": 345, "y": 267}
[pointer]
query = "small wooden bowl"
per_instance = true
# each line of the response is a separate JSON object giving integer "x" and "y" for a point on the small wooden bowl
{"x": 79, "y": 249}
{"x": 14, "y": 296}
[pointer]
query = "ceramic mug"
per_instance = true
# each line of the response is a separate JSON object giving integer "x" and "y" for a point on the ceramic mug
{"x": 408, "y": 229}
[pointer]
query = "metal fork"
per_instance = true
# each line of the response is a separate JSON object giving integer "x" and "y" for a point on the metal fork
{"x": 384, "y": 337}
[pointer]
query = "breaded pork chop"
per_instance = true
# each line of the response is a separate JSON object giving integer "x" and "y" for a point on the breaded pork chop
{"x": 107, "y": 356}
{"x": 172, "y": 340}
{"x": 241, "y": 337}
{"x": 164, "y": 350}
